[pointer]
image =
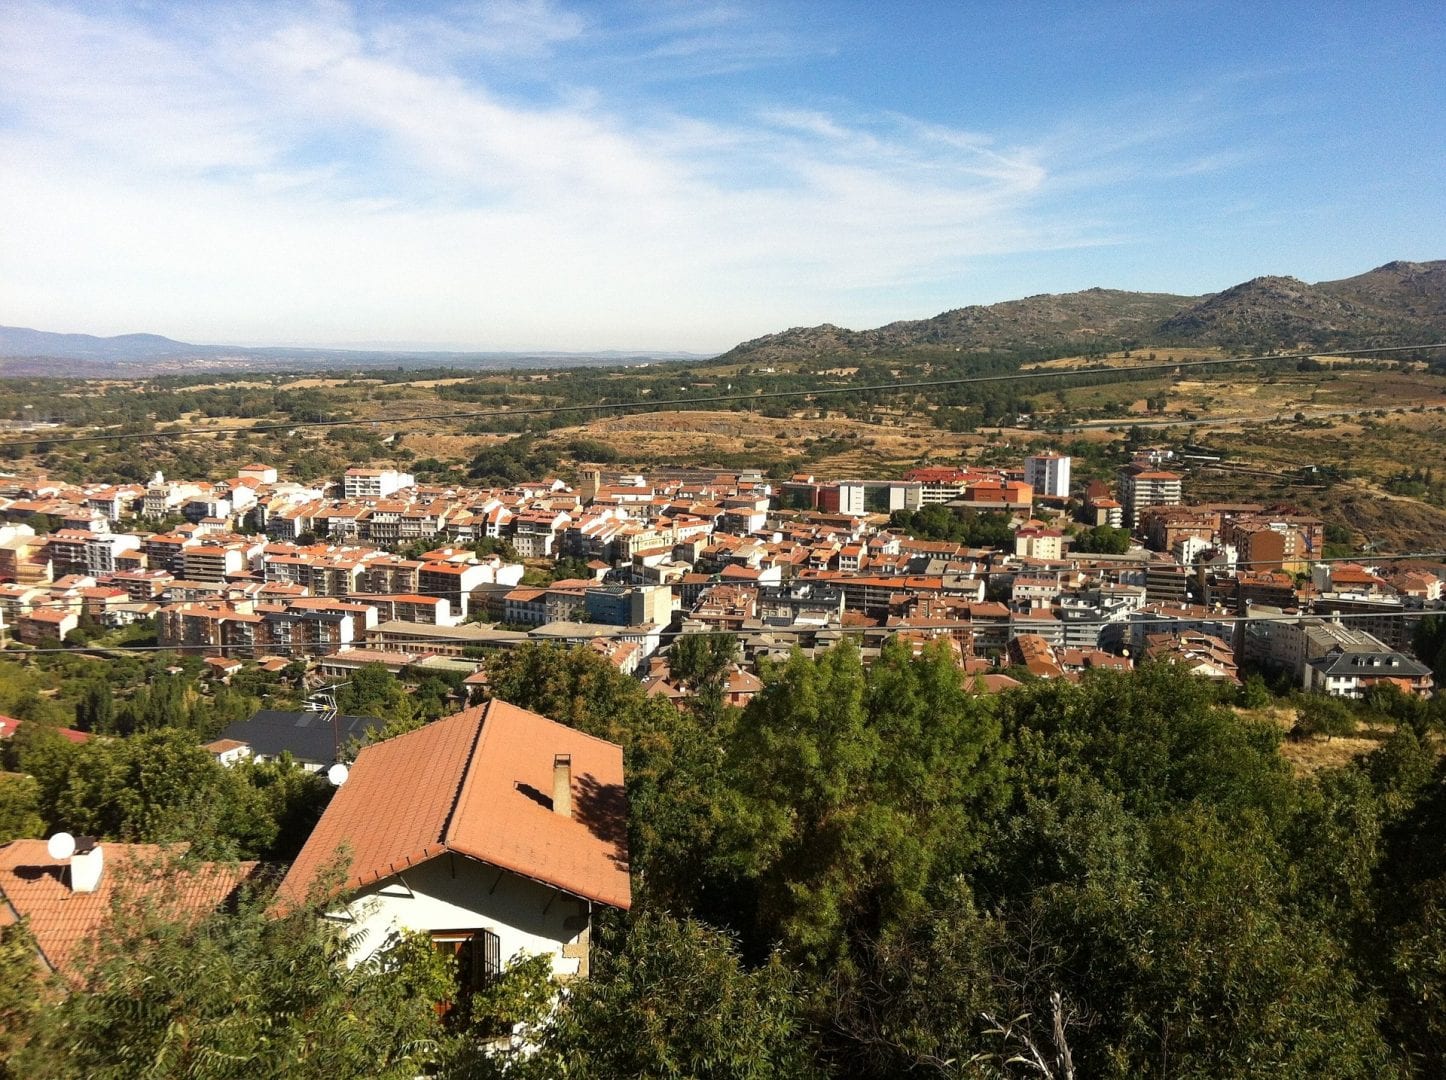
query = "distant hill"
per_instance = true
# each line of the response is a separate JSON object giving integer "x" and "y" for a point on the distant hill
{"x": 20, "y": 342}
{"x": 1399, "y": 303}
{"x": 39, "y": 352}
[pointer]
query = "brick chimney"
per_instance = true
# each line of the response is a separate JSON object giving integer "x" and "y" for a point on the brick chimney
{"x": 562, "y": 784}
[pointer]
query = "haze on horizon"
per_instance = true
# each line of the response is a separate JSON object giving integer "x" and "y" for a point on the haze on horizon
{"x": 537, "y": 174}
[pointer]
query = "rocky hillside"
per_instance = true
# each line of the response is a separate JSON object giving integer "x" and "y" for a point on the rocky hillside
{"x": 1399, "y": 303}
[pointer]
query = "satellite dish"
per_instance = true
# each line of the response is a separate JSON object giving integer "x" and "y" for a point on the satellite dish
{"x": 336, "y": 776}
{"x": 61, "y": 846}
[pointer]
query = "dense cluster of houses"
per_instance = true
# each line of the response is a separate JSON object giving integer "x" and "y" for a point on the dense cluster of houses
{"x": 256, "y": 566}
{"x": 499, "y": 831}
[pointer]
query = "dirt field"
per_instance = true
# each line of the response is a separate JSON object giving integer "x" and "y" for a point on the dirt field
{"x": 1311, "y": 755}
{"x": 854, "y": 445}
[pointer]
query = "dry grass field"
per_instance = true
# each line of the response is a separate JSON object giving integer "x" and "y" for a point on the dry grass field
{"x": 1307, "y": 756}
{"x": 1365, "y": 420}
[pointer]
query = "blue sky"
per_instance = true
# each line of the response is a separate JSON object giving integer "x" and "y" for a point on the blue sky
{"x": 665, "y": 175}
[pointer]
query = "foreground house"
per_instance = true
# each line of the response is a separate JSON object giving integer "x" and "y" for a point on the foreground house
{"x": 69, "y": 901}
{"x": 496, "y": 831}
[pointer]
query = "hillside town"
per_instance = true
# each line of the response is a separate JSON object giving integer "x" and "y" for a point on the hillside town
{"x": 1057, "y": 578}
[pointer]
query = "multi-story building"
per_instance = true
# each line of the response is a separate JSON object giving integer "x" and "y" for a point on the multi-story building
{"x": 1346, "y": 672}
{"x": 374, "y": 483}
{"x": 1048, "y": 474}
{"x": 1037, "y": 542}
{"x": 1142, "y": 485}
{"x": 629, "y": 605}
{"x": 164, "y": 497}
{"x": 844, "y": 497}
{"x": 165, "y": 552}
{"x": 535, "y": 532}
{"x": 411, "y": 607}
{"x": 211, "y": 562}
{"x": 938, "y": 485}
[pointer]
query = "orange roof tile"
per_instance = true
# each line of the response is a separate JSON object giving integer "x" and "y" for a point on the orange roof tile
{"x": 38, "y": 887}
{"x": 477, "y": 783}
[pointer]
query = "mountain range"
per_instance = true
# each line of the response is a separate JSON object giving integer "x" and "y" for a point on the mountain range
{"x": 1400, "y": 303}
{"x": 39, "y": 352}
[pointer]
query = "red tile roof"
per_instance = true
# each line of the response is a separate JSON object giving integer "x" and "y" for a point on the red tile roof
{"x": 38, "y": 887}
{"x": 9, "y": 726}
{"x": 478, "y": 783}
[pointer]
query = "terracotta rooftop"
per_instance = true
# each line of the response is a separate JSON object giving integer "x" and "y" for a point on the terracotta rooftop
{"x": 38, "y": 888}
{"x": 477, "y": 783}
{"x": 9, "y": 726}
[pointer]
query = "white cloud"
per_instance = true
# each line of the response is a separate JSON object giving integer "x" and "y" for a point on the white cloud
{"x": 284, "y": 175}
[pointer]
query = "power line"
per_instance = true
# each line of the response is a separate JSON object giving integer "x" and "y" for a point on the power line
{"x": 656, "y": 405}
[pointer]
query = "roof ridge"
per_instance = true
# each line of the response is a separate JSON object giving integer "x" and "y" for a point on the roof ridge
{"x": 465, "y": 780}
{"x": 559, "y": 723}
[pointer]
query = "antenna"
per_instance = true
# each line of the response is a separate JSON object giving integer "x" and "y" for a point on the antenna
{"x": 60, "y": 847}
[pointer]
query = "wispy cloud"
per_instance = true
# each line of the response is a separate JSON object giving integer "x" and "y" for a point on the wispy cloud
{"x": 325, "y": 173}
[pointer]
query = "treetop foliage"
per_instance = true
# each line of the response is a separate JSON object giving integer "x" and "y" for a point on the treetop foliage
{"x": 866, "y": 872}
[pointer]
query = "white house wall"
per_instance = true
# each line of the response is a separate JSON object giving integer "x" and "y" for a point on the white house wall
{"x": 452, "y": 892}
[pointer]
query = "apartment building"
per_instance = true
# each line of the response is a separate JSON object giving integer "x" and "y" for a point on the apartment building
{"x": 1048, "y": 474}
{"x": 1141, "y": 485}
{"x": 374, "y": 483}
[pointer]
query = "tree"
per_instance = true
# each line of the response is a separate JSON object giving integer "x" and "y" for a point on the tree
{"x": 20, "y": 994}
{"x": 871, "y": 786}
{"x": 1254, "y": 693}
{"x": 19, "y": 807}
{"x": 1102, "y": 539}
{"x": 703, "y": 663}
{"x": 1321, "y": 714}
{"x": 1429, "y": 644}
{"x": 675, "y": 999}
{"x": 160, "y": 786}
{"x": 96, "y": 709}
{"x": 241, "y": 994}
{"x": 374, "y": 691}
{"x": 573, "y": 686}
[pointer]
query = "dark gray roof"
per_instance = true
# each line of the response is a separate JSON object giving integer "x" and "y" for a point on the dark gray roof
{"x": 309, "y": 737}
{"x": 1389, "y": 664}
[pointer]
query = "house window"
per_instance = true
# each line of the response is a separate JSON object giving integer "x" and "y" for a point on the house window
{"x": 478, "y": 954}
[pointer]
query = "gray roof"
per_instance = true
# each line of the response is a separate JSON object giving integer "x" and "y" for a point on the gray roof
{"x": 309, "y": 737}
{"x": 1389, "y": 664}
{"x": 464, "y": 632}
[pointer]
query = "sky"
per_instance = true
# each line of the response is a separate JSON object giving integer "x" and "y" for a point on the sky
{"x": 534, "y": 174}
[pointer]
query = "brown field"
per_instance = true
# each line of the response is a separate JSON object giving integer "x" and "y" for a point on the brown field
{"x": 1368, "y": 421}
{"x": 316, "y": 383}
{"x": 445, "y": 447}
{"x": 1311, "y": 755}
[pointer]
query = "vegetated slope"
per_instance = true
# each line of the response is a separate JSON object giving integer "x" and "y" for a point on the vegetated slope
{"x": 1044, "y": 321}
{"x": 1398, "y": 303}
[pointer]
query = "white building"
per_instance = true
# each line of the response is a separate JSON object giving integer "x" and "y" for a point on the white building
{"x": 496, "y": 831}
{"x": 1142, "y": 487}
{"x": 363, "y": 483}
{"x": 851, "y": 497}
{"x": 1048, "y": 474}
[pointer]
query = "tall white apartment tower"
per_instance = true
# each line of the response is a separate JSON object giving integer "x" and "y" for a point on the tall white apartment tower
{"x": 1048, "y": 474}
